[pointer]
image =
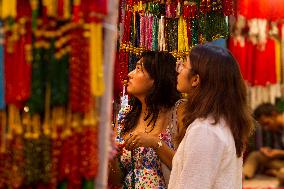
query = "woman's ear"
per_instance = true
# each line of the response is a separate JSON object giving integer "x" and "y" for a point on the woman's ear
{"x": 195, "y": 80}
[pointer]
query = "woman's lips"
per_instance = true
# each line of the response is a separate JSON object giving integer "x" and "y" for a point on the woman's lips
{"x": 128, "y": 82}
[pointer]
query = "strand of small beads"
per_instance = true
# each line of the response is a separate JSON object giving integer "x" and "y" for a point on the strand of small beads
{"x": 155, "y": 33}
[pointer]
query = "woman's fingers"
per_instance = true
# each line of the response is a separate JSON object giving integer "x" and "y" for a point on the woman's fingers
{"x": 130, "y": 141}
{"x": 128, "y": 137}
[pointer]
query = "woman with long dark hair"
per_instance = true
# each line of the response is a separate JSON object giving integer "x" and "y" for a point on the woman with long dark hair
{"x": 150, "y": 126}
{"x": 217, "y": 121}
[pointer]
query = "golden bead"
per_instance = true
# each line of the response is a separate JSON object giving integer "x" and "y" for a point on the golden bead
{"x": 46, "y": 132}
{"x": 125, "y": 82}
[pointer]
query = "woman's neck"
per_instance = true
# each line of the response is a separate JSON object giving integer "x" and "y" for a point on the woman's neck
{"x": 144, "y": 110}
{"x": 143, "y": 104}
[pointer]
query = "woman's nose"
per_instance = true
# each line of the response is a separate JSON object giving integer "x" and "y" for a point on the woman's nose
{"x": 130, "y": 74}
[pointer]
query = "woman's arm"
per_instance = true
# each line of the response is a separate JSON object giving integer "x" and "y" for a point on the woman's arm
{"x": 164, "y": 152}
{"x": 115, "y": 174}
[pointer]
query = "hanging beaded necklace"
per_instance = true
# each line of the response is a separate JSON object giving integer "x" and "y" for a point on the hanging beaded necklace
{"x": 2, "y": 101}
{"x": 155, "y": 33}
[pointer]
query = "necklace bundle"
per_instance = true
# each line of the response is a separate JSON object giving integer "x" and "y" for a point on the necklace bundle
{"x": 155, "y": 32}
{"x": 80, "y": 91}
{"x": 171, "y": 34}
{"x": 9, "y": 9}
{"x": 2, "y": 102}
{"x": 182, "y": 36}
{"x": 161, "y": 34}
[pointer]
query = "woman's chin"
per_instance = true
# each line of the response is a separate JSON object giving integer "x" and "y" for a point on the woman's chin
{"x": 128, "y": 89}
{"x": 180, "y": 89}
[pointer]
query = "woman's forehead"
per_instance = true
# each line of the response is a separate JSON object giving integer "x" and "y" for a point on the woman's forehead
{"x": 187, "y": 58}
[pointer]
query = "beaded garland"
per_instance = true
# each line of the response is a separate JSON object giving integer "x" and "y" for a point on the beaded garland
{"x": 161, "y": 35}
{"x": 40, "y": 40}
{"x": 137, "y": 24}
{"x": 155, "y": 32}
{"x": 171, "y": 34}
{"x": 125, "y": 108}
{"x": 2, "y": 94}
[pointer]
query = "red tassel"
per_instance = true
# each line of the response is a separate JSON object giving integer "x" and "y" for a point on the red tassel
{"x": 60, "y": 5}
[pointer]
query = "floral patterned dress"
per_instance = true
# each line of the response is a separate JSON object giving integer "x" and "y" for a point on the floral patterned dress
{"x": 143, "y": 166}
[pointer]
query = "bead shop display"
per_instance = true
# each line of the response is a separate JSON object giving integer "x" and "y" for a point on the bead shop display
{"x": 51, "y": 82}
{"x": 174, "y": 26}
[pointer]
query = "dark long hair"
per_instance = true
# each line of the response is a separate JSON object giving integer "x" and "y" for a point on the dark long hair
{"x": 163, "y": 94}
{"x": 221, "y": 92}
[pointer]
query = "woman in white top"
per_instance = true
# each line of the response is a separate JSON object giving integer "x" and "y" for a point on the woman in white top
{"x": 217, "y": 122}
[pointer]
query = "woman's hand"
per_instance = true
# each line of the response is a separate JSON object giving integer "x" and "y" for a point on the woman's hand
{"x": 140, "y": 139}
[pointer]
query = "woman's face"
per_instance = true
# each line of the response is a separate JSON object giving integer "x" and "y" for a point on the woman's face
{"x": 140, "y": 82}
{"x": 183, "y": 81}
{"x": 186, "y": 81}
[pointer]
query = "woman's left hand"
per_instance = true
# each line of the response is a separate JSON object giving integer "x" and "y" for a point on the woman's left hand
{"x": 140, "y": 139}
